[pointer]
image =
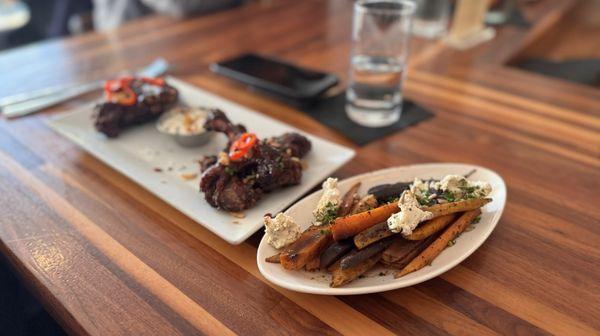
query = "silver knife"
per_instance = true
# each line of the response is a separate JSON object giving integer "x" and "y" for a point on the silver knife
{"x": 21, "y": 106}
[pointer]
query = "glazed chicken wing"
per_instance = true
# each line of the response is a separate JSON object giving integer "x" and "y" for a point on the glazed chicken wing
{"x": 233, "y": 183}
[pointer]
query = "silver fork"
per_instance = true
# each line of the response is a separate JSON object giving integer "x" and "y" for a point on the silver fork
{"x": 31, "y": 102}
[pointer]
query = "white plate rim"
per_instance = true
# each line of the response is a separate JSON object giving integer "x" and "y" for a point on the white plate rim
{"x": 396, "y": 283}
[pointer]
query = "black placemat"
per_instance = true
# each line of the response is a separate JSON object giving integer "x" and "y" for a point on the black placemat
{"x": 331, "y": 111}
{"x": 517, "y": 19}
{"x": 582, "y": 71}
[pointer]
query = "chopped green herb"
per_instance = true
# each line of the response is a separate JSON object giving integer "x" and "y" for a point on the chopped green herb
{"x": 327, "y": 214}
{"x": 324, "y": 232}
{"x": 280, "y": 162}
{"x": 229, "y": 170}
{"x": 449, "y": 196}
{"x": 476, "y": 220}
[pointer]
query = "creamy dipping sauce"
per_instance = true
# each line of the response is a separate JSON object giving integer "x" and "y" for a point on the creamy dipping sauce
{"x": 183, "y": 121}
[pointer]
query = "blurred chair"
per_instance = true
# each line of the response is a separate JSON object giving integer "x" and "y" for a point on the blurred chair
{"x": 20, "y": 313}
{"x": 109, "y": 14}
{"x": 48, "y": 19}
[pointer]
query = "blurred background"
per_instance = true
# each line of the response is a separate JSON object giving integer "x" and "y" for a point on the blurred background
{"x": 23, "y": 22}
{"x": 568, "y": 53}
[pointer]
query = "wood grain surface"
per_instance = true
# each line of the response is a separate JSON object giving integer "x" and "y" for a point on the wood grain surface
{"x": 108, "y": 258}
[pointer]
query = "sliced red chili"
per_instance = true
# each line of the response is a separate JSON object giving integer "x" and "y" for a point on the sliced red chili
{"x": 241, "y": 146}
{"x": 154, "y": 81}
{"x": 128, "y": 97}
{"x": 119, "y": 91}
{"x": 112, "y": 85}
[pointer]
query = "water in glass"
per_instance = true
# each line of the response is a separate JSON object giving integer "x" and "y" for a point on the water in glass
{"x": 374, "y": 95}
{"x": 380, "y": 35}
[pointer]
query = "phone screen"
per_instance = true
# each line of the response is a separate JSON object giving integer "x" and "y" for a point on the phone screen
{"x": 275, "y": 72}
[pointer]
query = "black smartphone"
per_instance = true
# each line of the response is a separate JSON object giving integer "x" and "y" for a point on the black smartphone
{"x": 276, "y": 76}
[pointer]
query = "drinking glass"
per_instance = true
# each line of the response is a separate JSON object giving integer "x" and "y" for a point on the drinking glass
{"x": 431, "y": 18}
{"x": 380, "y": 36}
{"x": 499, "y": 11}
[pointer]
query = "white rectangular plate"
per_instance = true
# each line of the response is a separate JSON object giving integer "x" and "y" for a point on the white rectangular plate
{"x": 157, "y": 163}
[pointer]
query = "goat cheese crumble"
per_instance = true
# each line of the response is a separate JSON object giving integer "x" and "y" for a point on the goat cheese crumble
{"x": 420, "y": 188}
{"x": 410, "y": 214}
{"x": 461, "y": 188}
{"x": 450, "y": 189}
{"x": 328, "y": 204}
{"x": 281, "y": 230}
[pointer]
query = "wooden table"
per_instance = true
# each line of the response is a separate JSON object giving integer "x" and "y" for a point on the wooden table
{"x": 106, "y": 257}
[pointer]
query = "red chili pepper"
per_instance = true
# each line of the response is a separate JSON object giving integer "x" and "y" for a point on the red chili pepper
{"x": 112, "y": 85}
{"x": 128, "y": 97}
{"x": 154, "y": 81}
{"x": 119, "y": 91}
{"x": 241, "y": 146}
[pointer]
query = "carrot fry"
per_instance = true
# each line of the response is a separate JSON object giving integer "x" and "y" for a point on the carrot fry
{"x": 345, "y": 227}
{"x": 432, "y": 251}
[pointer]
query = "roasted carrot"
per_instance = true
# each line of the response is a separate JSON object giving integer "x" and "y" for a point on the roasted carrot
{"x": 334, "y": 252}
{"x": 273, "y": 259}
{"x": 369, "y": 251}
{"x": 403, "y": 251}
{"x": 432, "y": 251}
{"x": 348, "y": 200}
{"x": 366, "y": 203}
{"x": 458, "y": 206}
{"x": 371, "y": 235}
{"x": 381, "y": 231}
{"x": 345, "y": 227}
{"x": 430, "y": 227}
{"x": 310, "y": 245}
{"x": 313, "y": 264}
{"x": 340, "y": 276}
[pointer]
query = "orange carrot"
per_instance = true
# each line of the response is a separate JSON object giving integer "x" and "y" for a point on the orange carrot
{"x": 274, "y": 259}
{"x": 345, "y": 227}
{"x": 433, "y": 250}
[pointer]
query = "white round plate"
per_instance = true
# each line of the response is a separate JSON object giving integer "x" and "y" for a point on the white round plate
{"x": 377, "y": 279}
